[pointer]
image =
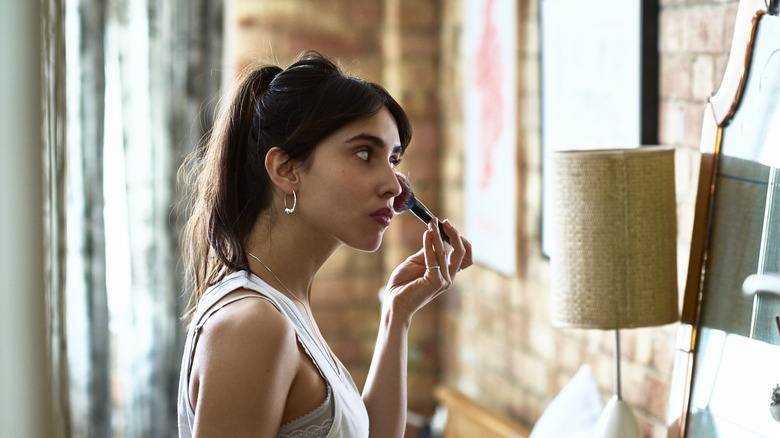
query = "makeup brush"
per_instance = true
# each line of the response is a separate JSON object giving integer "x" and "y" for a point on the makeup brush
{"x": 406, "y": 201}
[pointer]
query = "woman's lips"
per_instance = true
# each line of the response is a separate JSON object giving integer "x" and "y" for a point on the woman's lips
{"x": 383, "y": 216}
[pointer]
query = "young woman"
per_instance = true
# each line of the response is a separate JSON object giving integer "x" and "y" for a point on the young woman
{"x": 301, "y": 162}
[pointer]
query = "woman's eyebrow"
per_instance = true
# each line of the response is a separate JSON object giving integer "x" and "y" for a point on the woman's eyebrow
{"x": 367, "y": 137}
{"x": 375, "y": 141}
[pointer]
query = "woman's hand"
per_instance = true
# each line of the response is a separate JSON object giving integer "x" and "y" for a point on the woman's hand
{"x": 429, "y": 272}
{"x": 413, "y": 284}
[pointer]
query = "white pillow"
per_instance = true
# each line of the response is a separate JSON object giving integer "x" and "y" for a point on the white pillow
{"x": 575, "y": 410}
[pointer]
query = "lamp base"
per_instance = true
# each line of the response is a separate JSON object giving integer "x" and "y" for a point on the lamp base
{"x": 617, "y": 421}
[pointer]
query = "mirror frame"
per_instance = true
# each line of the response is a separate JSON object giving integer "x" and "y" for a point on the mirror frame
{"x": 718, "y": 111}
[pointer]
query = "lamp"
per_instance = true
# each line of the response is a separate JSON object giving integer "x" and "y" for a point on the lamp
{"x": 614, "y": 250}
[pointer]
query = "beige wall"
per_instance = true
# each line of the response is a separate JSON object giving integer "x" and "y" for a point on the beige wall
{"x": 491, "y": 337}
{"x": 25, "y": 395}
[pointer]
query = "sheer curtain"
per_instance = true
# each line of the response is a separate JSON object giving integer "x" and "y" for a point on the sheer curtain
{"x": 54, "y": 145}
{"x": 140, "y": 80}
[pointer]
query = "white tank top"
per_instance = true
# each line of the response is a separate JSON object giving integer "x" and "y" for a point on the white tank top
{"x": 350, "y": 418}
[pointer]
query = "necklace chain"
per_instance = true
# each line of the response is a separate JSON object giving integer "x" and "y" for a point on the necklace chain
{"x": 292, "y": 295}
{"x": 306, "y": 310}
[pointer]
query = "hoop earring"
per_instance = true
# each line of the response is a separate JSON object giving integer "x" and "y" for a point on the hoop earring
{"x": 289, "y": 210}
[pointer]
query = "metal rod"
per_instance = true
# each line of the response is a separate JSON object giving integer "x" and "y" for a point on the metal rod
{"x": 617, "y": 365}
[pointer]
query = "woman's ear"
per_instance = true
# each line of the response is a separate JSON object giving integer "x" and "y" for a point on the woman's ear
{"x": 283, "y": 172}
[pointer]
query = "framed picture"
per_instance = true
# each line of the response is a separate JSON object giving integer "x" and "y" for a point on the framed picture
{"x": 490, "y": 118}
{"x": 599, "y": 80}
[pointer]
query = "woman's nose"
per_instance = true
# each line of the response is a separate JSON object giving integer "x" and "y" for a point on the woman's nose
{"x": 390, "y": 185}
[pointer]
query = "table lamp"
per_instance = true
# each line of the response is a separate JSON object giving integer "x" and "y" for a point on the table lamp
{"x": 614, "y": 250}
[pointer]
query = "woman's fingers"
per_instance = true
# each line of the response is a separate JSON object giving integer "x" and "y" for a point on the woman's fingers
{"x": 438, "y": 268}
{"x": 441, "y": 252}
{"x": 467, "y": 259}
{"x": 456, "y": 257}
{"x": 437, "y": 271}
{"x": 431, "y": 261}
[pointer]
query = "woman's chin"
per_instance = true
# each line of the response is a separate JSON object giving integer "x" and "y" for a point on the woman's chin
{"x": 369, "y": 245}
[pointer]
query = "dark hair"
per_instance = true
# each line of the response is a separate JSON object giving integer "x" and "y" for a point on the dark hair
{"x": 293, "y": 109}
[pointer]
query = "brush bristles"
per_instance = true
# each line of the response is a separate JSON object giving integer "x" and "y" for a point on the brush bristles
{"x": 405, "y": 200}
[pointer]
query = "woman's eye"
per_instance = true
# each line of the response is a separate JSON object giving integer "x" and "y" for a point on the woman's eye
{"x": 395, "y": 161}
{"x": 363, "y": 155}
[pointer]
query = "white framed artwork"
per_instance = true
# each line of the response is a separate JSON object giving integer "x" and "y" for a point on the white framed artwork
{"x": 490, "y": 118}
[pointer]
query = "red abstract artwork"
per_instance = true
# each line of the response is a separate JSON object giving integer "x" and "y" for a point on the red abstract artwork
{"x": 488, "y": 75}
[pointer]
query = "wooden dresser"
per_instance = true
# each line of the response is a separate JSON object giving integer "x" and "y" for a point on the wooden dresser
{"x": 466, "y": 418}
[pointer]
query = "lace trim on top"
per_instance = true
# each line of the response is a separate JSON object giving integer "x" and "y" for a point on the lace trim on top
{"x": 315, "y": 424}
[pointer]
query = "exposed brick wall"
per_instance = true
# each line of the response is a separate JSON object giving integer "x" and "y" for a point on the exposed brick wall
{"x": 278, "y": 30}
{"x": 491, "y": 337}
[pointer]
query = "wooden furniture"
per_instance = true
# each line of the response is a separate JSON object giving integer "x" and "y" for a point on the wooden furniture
{"x": 467, "y": 418}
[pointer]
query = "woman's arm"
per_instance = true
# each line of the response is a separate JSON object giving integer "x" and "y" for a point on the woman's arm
{"x": 385, "y": 390}
{"x": 412, "y": 285}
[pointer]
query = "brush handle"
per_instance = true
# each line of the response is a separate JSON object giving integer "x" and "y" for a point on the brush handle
{"x": 421, "y": 211}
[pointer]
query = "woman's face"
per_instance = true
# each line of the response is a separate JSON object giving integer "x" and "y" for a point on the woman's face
{"x": 347, "y": 192}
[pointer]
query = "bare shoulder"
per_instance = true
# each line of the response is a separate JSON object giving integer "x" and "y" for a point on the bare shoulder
{"x": 252, "y": 328}
{"x": 247, "y": 319}
{"x": 244, "y": 365}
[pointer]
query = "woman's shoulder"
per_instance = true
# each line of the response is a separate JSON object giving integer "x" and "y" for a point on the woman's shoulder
{"x": 252, "y": 319}
{"x": 247, "y": 356}
{"x": 244, "y": 336}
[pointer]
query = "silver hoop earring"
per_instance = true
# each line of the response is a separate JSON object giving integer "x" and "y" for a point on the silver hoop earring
{"x": 289, "y": 210}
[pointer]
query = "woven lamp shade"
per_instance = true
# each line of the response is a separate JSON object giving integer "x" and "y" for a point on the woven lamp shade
{"x": 614, "y": 254}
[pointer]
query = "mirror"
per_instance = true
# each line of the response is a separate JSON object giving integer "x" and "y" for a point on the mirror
{"x": 727, "y": 369}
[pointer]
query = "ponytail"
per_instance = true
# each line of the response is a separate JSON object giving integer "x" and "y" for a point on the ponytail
{"x": 224, "y": 176}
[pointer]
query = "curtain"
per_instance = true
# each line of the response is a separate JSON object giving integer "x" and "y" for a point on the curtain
{"x": 130, "y": 91}
{"x": 168, "y": 50}
{"x": 54, "y": 141}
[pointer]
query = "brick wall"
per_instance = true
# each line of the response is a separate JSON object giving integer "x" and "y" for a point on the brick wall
{"x": 491, "y": 337}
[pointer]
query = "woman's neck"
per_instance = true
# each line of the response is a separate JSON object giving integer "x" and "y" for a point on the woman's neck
{"x": 286, "y": 257}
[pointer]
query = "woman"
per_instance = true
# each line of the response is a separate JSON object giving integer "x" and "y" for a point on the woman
{"x": 301, "y": 162}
